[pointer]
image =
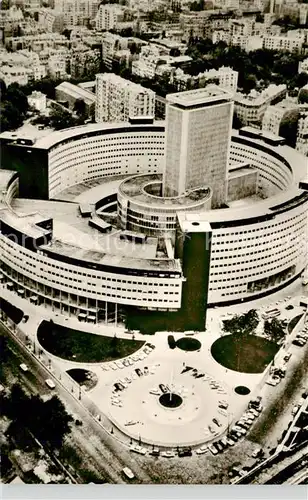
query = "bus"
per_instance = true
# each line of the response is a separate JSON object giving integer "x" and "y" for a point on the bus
{"x": 272, "y": 313}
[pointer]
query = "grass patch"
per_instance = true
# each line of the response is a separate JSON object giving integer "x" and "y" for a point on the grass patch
{"x": 85, "y": 378}
{"x": 188, "y": 344}
{"x": 244, "y": 353}
{"x": 294, "y": 322}
{"x": 83, "y": 347}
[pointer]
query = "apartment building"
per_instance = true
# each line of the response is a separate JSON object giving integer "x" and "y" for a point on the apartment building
{"x": 77, "y": 12}
{"x": 145, "y": 66}
{"x": 118, "y": 99}
{"x": 284, "y": 43}
{"x": 112, "y": 43}
{"x": 275, "y": 115}
{"x": 250, "y": 108}
{"x": 51, "y": 20}
{"x": 302, "y": 135}
{"x": 226, "y": 77}
{"x": 108, "y": 16}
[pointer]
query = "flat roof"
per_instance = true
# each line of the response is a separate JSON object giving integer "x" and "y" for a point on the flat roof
{"x": 194, "y": 223}
{"x": 206, "y": 95}
{"x": 76, "y": 91}
{"x": 73, "y": 132}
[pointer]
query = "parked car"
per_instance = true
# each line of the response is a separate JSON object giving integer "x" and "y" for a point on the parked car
{"x": 155, "y": 452}
{"x": 185, "y": 452}
{"x": 213, "y": 450}
{"x": 202, "y": 450}
{"x": 138, "y": 449}
{"x": 50, "y": 383}
{"x": 128, "y": 473}
{"x": 168, "y": 454}
{"x": 163, "y": 388}
{"x": 298, "y": 342}
{"x": 23, "y": 367}
{"x": 287, "y": 357}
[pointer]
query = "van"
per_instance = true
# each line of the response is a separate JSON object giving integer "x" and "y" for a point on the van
{"x": 50, "y": 383}
{"x": 128, "y": 473}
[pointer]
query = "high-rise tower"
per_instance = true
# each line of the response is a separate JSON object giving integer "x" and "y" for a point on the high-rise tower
{"x": 198, "y": 134}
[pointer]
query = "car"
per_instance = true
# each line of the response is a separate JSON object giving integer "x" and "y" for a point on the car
{"x": 139, "y": 372}
{"x": 168, "y": 454}
{"x": 235, "y": 436}
{"x": 118, "y": 387}
{"x": 23, "y": 367}
{"x": 271, "y": 381}
{"x": 152, "y": 346}
{"x": 163, "y": 388}
{"x": 298, "y": 343}
{"x": 213, "y": 450}
{"x": 289, "y": 307}
{"x": 218, "y": 446}
{"x": 155, "y": 452}
{"x": 128, "y": 380}
{"x": 155, "y": 392}
{"x": 254, "y": 412}
{"x": 138, "y": 449}
{"x": 50, "y": 383}
{"x": 128, "y": 473}
{"x": 125, "y": 362}
{"x": 230, "y": 441}
{"x": 202, "y": 450}
{"x": 295, "y": 410}
{"x": 25, "y": 318}
{"x": 119, "y": 364}
{"x": 147, "y": 350}
{"x": 224, "y": 441}
{"x": 287, "y": 357}
{"x": 216, "y": 422}
{"x": 113, "y": 366}
{"x": 135, "y": 357}
{"x": 123, "y": 383}
{"x": 185, "y": 452}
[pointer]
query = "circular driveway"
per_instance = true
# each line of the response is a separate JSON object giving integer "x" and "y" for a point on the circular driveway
{"x": 137, "y": 411}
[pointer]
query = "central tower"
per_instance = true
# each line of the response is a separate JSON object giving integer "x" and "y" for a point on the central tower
{"x": 198, "y": 135}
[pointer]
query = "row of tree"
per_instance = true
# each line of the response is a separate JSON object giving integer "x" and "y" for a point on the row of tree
{"x": 47, "y": 420}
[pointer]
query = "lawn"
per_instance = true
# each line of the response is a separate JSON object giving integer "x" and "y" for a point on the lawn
{"x": 244, "y": 353}
{"x": 188, "y": 344}
{"x": 294, "y": 322}
{"x": 83, "y": 347}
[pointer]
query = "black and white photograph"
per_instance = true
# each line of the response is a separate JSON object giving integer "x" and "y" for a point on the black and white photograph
{"x": 154, "y": 247}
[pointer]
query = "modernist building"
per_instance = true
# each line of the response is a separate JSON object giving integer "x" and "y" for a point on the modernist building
{"x": 118, "y": 99}
{"x": 197, "y": 142}
{"x": 167, "y": 259}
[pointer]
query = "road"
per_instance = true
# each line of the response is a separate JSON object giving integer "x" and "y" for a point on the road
{"x": 105, "y": 455}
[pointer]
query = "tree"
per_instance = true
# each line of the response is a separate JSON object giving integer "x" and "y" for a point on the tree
{"x": 60, "y": 119}
{"x": 274, "y": 330}
{"x": 114, "y": 344}
{"x": 80, "y": 107}
{"x": 288, "y": 127}
{"x": 54, "y": 423}
{"x": 242, "y": 323}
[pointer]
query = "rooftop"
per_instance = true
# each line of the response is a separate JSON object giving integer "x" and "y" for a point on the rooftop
{"x": 206, "y": 95}
{"x": 76, "y": 91}
{"x": 139, "y": 188}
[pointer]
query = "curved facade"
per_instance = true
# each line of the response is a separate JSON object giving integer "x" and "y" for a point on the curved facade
{"x": 142, "y": 208}
{"x": 255, "y": 249}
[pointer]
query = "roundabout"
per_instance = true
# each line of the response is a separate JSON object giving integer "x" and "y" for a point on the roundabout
{"x": 185, "y": 406}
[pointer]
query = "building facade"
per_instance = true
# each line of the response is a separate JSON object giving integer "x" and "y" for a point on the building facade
{"x": 197, "y": 141}
{"x": 118, "y": 99}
